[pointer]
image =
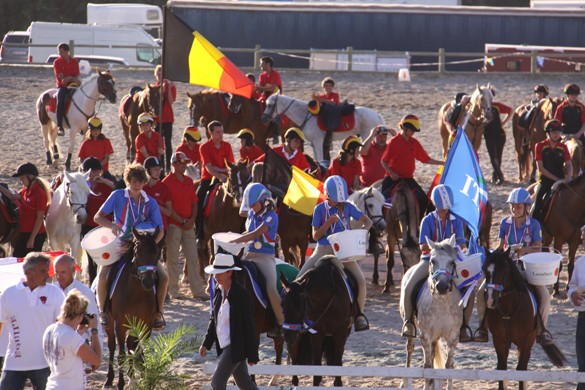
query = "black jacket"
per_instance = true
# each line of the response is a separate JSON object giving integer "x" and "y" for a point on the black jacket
{"x": 244, "y": 340}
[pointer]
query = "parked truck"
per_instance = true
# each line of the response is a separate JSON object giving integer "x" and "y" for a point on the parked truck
{"x": 149, "y": 17}
{"x": 132, "y": 44}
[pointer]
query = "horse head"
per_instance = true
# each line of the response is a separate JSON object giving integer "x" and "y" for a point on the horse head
{"x": 481, "y": 102}
{"x": 196, "y": 106}
{"x": 235, "y": 103}
{"x": 501, "y": 276}
{"x": 293, "y": 307}
{"x": 149, "y": 100}
{"x": 442, "y": 265}
{"x": 372, "y": 204}
{"x": 146, "y": 254}
{"x": 106, "y": 85}
{"x": 76, "y": 189}
{"x": 238, "y": 179}
{"x": 271, "y": 111}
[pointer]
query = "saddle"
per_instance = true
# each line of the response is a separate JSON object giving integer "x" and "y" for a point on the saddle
{"x": 209, "y": 199}
{"x": 336, "y": 118}
{"x": 50, "y": 98}
{"x": 258, "y": 282}
{"x": 525, "y": 119}
{"x": 224, "y": 100}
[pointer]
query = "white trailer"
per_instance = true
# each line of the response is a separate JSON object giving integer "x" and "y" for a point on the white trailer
{"x": 149, "y": 17}
{"x": 132, "y": 44}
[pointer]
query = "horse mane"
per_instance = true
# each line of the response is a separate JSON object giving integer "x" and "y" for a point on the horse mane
{"x": 208, "y": 91}
{"x": 332, "y": 260}
{"x": 501, "y": 257}
{"x": 576, "y": 181}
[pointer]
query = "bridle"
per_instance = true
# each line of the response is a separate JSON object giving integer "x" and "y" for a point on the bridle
{"x": 75, "y": 207}
{"x": 373, "y": 217}
{"x": 237, "y": 191}
{"x": 139, "y": 271}
{"x": 274, "y": 114}
{"x": 499, "y": 291}
{"x": 307, "y": 325}
{"x": 442, "y": 271}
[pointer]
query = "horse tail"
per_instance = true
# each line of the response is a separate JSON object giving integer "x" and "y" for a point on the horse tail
{"x": 555, "y": 355}
{"x": 42, "y": 101}
{"x": 439, "y": 358}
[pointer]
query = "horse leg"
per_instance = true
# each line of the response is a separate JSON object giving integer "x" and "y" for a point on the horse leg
{"x": 452, "y": 346}
{"x": 558, "y": 245}
{"x": 120, "y": 336}
{"x": 278, "y": 348}
{"x": 112, "y": 350}
{"x": 407, "y": 382}
{"x": 502, "y": 351}
{"x": 524, "y": 353}
{"x": 46, "y": 132}
{"x": 428, "y": 352}
{"x": 375, "y": 275}
{"x": 390, "y": 245}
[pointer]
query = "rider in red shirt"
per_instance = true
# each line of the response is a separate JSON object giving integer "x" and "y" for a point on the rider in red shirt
{"x": 96, "y": 144}
{"x": 371, "y": 153}
{"x": 347, "y": 165}
{"x": 571, "y": 113}
{"x": 249, "y": 150}
{"x": 399, "y": 160}
{"x": 148, "y": 143}
{"x": 328, "y": 97}
{"x": 255, "y": 95}
{"x": 291, "y": 150}
{"x": 214, "y": 154}
{"x": 190, "y": 145}
{"x": 269, "y": 80}
{"x": 66, "y": 69}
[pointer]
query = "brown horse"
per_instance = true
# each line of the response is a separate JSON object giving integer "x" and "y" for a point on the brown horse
{"x": 474, "y": 118}
{"x": 576, "y": 152}
{"x": 9, "y": 224}
{"x": 563, "y": 220}
{"x": 133, "y": 298}
{"x": 132, "y": 105}
{"x": 510, "y": 314}
{"x": 317, "y": 307}
{"x": 224, "y": 215}
{"x": 235, "y": 113}
{"x": 525, "y": 139}
{"x": 402, "y": 230}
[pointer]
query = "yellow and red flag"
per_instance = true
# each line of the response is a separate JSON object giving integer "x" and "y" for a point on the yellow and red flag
{"x": 190, "y": 58}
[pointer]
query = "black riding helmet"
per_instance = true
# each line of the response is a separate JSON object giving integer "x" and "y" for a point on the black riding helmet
{"x": 26, "y": 169}
{"x": 459, "y": 96}
{"x": 541, "y": 88}
{"x": 152, "y": 162}
{"x": 572, "y": 89}
{"x": 552, "y": 125}
{"x": 91, "y": 163}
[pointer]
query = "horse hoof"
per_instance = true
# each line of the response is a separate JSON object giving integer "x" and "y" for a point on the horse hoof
{"x": 386, "y": 290}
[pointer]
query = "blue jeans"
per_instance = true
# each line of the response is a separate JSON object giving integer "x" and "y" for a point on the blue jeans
{"x": 14, "y": 380}
{"x": 579, "y": 347}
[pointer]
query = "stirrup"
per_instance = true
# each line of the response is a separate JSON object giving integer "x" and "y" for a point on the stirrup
{"x": 464, "y": 335}
{"x": 60, "y": 131}
{"x": 361, "y": 323}
{"x": 545, "y": 338}
{"x": 104, "y": 319}
{"x": 409, "y": 330}
{"x": 158, "y": 322}
{"x": 481, "y": 336}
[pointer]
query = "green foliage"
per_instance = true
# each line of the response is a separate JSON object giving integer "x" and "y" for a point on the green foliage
{"x": 150, "y": 365}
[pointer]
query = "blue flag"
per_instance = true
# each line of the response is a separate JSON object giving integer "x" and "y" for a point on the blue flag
{"x": 463, "y": 174}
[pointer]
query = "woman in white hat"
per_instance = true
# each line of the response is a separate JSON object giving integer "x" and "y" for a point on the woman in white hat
{"x": 231, "y": 327}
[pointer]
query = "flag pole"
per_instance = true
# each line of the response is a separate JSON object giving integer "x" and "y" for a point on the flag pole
{"x": 160, "y": 97}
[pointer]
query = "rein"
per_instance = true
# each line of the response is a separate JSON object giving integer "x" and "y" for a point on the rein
{"x": 75, "y": 207}
{"x": 274, "y": 113}
{"x": 373, "y": 218}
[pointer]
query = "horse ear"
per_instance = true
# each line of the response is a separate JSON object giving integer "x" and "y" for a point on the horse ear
{"x": 135, "y": 233}
{"x": 430, "y": 242}
{"x": 70, "y": 178}
{"x": 508, "y": 251}
{"x": 452, "y": 241}
{"x": 86, "y": 175}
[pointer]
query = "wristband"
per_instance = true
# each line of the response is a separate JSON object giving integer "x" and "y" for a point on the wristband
{"x": 94, "y": 331}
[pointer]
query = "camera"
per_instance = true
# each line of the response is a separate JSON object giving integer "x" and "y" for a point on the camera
{"x": 86, "y": 318}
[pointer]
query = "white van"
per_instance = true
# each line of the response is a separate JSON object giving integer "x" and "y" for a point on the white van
{"x": 132, "y": 44}
{"x": 149, "y": 17}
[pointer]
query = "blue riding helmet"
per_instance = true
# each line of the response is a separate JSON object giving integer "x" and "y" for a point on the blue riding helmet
{"x": 442, "y": 197}
{"x": 256, "y": 192}
{"x": 145, "y": 227}
{"x": 519, "y": 195}
{"x": 336, "y": 188}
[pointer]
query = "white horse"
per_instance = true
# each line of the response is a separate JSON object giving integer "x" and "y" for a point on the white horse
{"x": 438, "y": 312}
{"x": 296, "y": 110}
{"x": 83, "y": 101}
{"x": 371, "y": 202}
{"x": 67, "y": 213}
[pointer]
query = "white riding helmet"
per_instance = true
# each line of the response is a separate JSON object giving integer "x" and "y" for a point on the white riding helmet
{"x": 442, "y": 197}
{"x": 336, "y": 188}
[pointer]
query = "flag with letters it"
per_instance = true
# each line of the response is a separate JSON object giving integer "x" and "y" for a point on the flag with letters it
{"x": 463, "y": 174}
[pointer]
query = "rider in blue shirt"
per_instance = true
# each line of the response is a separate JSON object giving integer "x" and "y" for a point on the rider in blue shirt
{"x": 261, "y": 228}
{"x": 132, "y": 208}
{"x": 522, "y": 234}
{"x": 333, "y": 216}
{"x": 438, "y": 225}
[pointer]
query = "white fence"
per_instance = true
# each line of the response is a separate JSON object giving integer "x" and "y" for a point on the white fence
{"x": 408, "y": 374}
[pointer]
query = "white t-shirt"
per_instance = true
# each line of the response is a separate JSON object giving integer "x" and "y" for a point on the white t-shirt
{"x": 91, "y": 308}
{"x": 60, "y": 345}
{"x": 26, "y": 314}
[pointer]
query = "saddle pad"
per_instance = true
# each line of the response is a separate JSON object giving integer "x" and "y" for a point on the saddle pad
{"x": 533, "y": 301}
{"x": 124, "y": 104}
{"x": 350, "y": 291}
{"x": 119, "y": 268}
{"x": 247, "y": 265}
{"x": 347, "y": 123}
{"x": 209, "y": 201}
{"x": 223, "y": 104}
{"x": 7, "y": 216}
{"x": 52, "y": 105}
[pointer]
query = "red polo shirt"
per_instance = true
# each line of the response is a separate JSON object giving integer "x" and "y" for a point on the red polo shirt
{"x": 161, "y": 193}
{"x": 332, "y": 97}
{"x": 270, "y": 78}
{"x": 167, "y": 115}
{"x": 192, "y": 154}
{"x": 250, "y": 155}
{"x": 401, "y": 154}
{"x": 95, "y": 200}
{"x": 348, "y": 171}
{"x": 98, "y": 148}
{"x": 33, "y": 200}
{"x": 151, "y": 144}
{"x": 70, "y": 68}
{"x": 182, "y": 196}
{"x": 372, "y": 169}
{"x": 214, "y": 156}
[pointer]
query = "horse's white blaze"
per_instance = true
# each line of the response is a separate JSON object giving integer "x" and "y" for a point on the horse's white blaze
{"x": 296, "y": 109}
{"x": 490, "y": 292}
{"x": 371, "y": 202}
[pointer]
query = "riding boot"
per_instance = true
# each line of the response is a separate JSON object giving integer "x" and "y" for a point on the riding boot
{"x": 465, "y": 334}
{"x": 104, "y": 319}
{"x": 409, "y": 329}
{"x": 481, "y": 334}
{"x": 275, "y": 332}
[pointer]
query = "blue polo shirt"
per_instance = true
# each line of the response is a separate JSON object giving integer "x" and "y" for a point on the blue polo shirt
{"x": 527, "y": 234}
{"x": 128, "y": 214}
{"x": 322, "y": 213}
{"x": 432, "y": 227}
{"x": 266, "y": 242}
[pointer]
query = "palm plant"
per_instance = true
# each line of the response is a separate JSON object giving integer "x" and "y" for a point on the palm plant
{"x": 150, "y": 364}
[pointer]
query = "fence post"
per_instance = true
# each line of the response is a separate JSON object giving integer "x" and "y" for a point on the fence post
{"x": 349, "y": 58}
{"x": 257, "y": 52}
{"x": 441, "y": 61}
{"x": 72, "y": 47}
{"x": 533, "y": 63}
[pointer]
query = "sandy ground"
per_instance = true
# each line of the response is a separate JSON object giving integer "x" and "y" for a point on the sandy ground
{"x": 382, "y": 345}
